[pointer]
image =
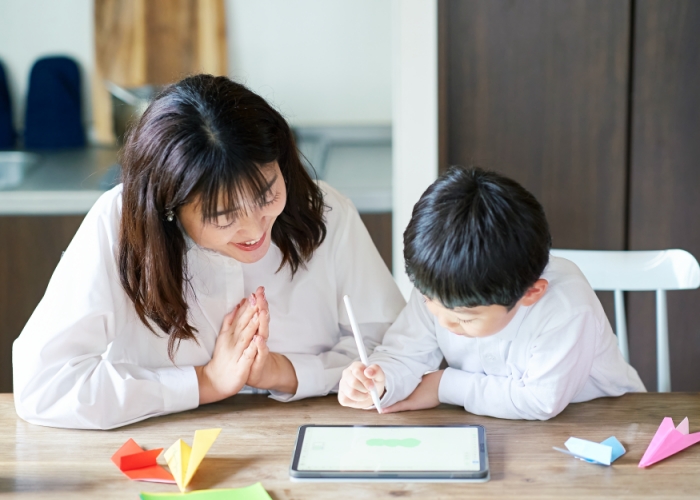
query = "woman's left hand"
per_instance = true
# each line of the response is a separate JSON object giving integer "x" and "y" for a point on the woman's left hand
{"x": 270, "y": 370}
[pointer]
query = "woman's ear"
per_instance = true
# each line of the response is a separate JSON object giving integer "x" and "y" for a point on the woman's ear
{"x": 535, "y": 292}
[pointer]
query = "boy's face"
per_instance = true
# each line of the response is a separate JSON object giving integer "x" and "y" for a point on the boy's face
{"x": 482, "y": 321}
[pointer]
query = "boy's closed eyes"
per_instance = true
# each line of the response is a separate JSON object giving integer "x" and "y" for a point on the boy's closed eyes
{"x": 482, "y": 321}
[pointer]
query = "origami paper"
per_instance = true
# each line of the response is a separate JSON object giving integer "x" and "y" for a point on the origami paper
{"x": 141, "y": 465}
{"x": 668, "y": 441}
{"x": 252, "y": 492}
{"x": 184, "y": 461}
{"x": 603, "y": 453}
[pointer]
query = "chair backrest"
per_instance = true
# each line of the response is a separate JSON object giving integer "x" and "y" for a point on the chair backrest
{"x": 636, "y": 270}
{"x": 7, "y": 131}
{"x": 53, "y": 116}
{"x": 657, "y": 270}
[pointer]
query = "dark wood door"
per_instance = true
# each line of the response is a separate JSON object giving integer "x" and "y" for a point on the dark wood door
{"x": 537, "y": 90}
{"x": 594, "y": 106}
{"x": 665, "y": 176}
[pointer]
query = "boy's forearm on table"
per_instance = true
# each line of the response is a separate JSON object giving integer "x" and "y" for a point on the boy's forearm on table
{"x": 497, "y": 396}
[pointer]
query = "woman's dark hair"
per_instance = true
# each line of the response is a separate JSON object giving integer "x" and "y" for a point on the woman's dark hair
{"x": 476, "y": 238}
{"x": 204, "y": 139}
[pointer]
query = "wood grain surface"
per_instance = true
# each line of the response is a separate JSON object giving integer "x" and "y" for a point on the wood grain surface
{"x": 258, "y": 437}
{"x": 537, "y": 90}
{"x": 184, "y": 37}
{"x": 31, "y": 249}
{"x": 158, "y": 42}
{"x": 665, "y": 177}
{"x": 379, "y": 228}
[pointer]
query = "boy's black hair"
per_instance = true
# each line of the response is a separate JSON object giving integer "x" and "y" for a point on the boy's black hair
{"x": 476, "y": 238}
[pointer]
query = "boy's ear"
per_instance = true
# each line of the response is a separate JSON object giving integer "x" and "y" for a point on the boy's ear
{"x": 535, "y": 292}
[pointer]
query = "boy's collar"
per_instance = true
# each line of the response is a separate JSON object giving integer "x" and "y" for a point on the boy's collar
{"x": 511, "y": 329}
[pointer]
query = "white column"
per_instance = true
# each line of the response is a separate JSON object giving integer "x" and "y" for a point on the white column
{"x": 414, "y": 114}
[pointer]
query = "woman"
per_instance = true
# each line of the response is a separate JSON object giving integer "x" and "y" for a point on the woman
{"x": 218, "y": 263}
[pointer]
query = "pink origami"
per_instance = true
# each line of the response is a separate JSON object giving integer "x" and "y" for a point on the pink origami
{"x": 668, "y": 441}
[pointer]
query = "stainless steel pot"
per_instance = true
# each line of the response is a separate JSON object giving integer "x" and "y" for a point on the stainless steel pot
{"x": 128, "y": 104}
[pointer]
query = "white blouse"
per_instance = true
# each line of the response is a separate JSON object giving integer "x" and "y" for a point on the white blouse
{"x": 558, "y": 351}
{"x": 85, "y": 360}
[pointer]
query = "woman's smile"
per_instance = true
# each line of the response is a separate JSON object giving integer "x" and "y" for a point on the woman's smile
{"x": 251, "y": 245}
{"x": 246, "y": 238}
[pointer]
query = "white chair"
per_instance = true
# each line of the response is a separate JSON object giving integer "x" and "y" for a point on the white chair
{"x": 631, "y": 271}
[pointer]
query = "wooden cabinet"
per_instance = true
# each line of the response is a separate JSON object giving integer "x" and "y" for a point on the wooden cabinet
{"x": 31, "y": 248}
{"x": 379, "y": 227}
{"x": 592, "y": 105}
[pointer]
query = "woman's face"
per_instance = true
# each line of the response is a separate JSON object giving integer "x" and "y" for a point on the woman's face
{"x": 246, "y": 234}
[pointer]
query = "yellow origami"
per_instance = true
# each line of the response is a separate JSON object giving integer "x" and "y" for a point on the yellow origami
{"x": 184, "y": 461}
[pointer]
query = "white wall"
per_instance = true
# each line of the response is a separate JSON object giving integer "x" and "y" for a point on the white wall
{"x": 317, "y": 61}
{"x": 415, "y": 116}
{"x": 30, "y": 29}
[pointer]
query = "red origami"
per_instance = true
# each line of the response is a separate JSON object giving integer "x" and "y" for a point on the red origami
{"x": 141, "y": 465}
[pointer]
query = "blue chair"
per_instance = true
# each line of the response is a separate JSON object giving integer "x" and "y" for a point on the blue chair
{"x": 54, "y": 114}
{"x": 7, "y": 131}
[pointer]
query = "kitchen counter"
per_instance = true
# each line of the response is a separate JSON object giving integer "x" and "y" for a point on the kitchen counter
{"x": 64, "y": 182}
{"x": 355, "y": 160}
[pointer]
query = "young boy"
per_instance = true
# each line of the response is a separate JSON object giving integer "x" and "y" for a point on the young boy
{"x": 523, "y": 333}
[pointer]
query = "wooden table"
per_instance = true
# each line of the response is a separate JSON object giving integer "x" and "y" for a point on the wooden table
{"x": 258, "y": 436}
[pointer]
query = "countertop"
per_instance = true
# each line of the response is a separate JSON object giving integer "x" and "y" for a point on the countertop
{"x": 69, "y": 182}
{"x": 63, "y": 182}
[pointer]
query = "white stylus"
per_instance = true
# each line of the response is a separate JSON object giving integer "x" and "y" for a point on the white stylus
{"x": 361, "y": 348}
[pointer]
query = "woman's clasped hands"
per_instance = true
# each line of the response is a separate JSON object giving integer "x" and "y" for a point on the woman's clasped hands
{"x": 241, "y": 356}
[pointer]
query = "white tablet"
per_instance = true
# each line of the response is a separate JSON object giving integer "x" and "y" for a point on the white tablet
{"x": 390, "y": 452}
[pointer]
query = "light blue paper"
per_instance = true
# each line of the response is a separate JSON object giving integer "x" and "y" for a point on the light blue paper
{"x": 603, "y": 453}
{"x": 617, "y": 449}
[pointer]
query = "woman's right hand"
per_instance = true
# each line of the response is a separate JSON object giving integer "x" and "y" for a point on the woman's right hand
{"x": 234, "y": 353}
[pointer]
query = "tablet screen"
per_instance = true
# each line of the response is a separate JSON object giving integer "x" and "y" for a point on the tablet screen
{"x": 378, "y": 449}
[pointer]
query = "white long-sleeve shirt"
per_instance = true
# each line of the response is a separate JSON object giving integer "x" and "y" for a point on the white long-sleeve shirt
{"x": 558, "y": 351}
{"x": 85, "y": 360}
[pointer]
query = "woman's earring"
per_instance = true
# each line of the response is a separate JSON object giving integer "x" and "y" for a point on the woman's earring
{"x": 169, "y": 215}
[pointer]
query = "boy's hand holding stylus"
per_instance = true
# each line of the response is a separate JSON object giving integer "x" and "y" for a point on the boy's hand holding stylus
{"x": 356, "y": 383}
